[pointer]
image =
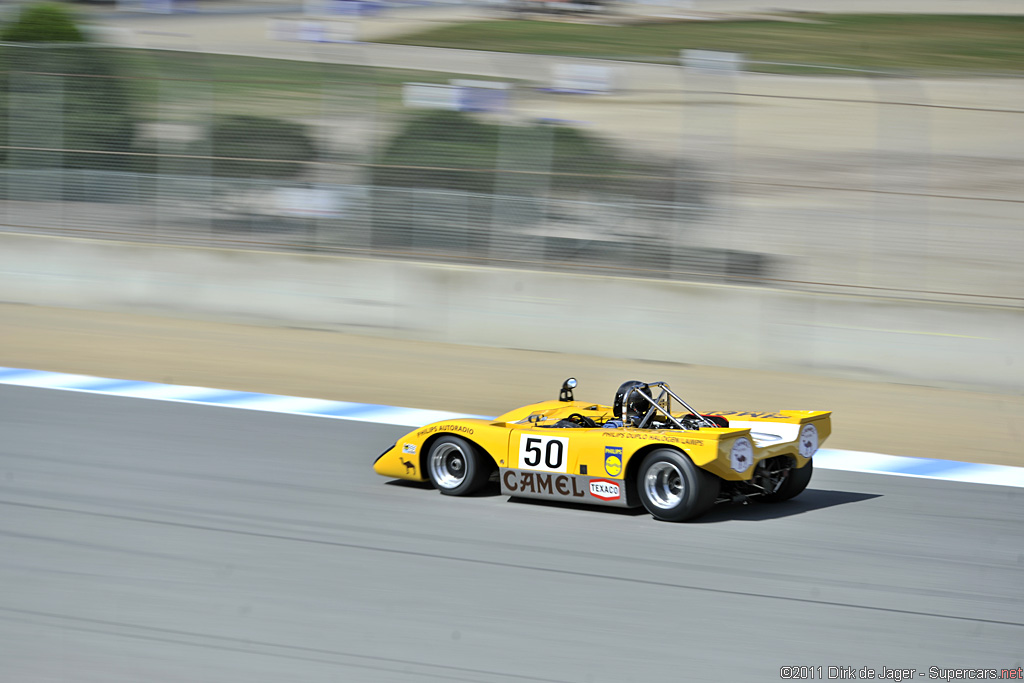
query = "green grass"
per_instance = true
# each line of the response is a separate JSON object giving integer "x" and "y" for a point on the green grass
{"x": 870, "y": 41}
{"x": 237, "y": 76}
{"x": 179, "y": 82}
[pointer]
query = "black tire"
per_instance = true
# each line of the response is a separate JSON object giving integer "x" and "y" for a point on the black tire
{"x": 673, "y": 489}
{"x": 795, "y": 483}
{"x": 456, "y": 467}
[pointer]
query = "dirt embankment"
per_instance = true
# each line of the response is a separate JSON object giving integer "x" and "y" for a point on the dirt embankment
{"x": 888, "y": 418}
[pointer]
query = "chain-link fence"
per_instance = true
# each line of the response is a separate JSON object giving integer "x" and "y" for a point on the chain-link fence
{"x": 862, "y": 182}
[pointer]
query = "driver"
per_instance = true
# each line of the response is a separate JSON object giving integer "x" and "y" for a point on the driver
{"x": 630, "y": 406}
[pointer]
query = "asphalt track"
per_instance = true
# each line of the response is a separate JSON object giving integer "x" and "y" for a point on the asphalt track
{"x": 153, "y": 541}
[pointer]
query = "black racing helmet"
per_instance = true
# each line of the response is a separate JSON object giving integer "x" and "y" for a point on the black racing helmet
{"x": 635, "y": 404}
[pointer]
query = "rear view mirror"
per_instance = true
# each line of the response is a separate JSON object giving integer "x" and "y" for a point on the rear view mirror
{"x": 567, "y": 387}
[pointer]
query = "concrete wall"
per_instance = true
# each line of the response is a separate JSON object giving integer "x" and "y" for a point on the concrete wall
{"x": 934, "y": 344}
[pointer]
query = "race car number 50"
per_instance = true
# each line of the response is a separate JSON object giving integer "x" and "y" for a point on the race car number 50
{"x": 546, "y": 453}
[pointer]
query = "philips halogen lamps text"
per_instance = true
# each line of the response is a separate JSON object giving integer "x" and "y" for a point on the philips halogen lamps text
{"x": 867, "y": 673}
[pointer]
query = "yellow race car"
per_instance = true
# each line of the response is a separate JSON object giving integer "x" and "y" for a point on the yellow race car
{"x": 648, "y": 448}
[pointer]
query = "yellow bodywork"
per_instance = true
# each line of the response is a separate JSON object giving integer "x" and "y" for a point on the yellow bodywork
{"x": 609, "y": 453}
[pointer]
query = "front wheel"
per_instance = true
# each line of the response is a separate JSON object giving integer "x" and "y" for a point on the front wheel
{"x": 456, "y": 467}
{"x": 793, "y": 485}
{"x": 673, "y": 489}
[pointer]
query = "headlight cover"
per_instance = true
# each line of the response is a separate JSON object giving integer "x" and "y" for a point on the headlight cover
{"x": 742, "y": 454}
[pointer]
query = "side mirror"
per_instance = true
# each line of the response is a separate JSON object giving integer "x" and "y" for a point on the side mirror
{"x": 567, "y": 387}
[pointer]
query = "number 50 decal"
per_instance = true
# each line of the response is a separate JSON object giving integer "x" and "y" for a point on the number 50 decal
{"x": 548, "y": 453}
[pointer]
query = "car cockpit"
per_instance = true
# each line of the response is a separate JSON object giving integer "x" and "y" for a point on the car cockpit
{"x": 642, "y": 405}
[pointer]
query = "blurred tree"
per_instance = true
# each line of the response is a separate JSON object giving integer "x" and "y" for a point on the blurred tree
{"x": 440, "y": 149}
{"x": 454, "y": 151}
{"x": 448, "y": 150}
{"x": 283, "y": 148}
{"x": 56, "y": 76}
{"x": 43, "y": 23}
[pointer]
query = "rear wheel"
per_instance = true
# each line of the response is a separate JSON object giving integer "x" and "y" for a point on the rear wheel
{"x": 793, "y": 485}
{"x": 456, "y": 467}
{"x": 672, "y": 488}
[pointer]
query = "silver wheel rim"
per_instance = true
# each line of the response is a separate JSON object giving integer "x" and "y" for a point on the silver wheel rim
{"x": 448, "y": 465}
{"x": 664, "y": 485}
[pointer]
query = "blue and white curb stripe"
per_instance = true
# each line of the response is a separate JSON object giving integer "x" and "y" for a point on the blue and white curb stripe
{"x": 826, "y": 458}
{"x": 293, "y": 405}
{"x": 922, "y": 468}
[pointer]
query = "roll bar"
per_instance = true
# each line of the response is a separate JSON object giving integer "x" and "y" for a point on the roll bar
{"x": 666, "y": 394}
